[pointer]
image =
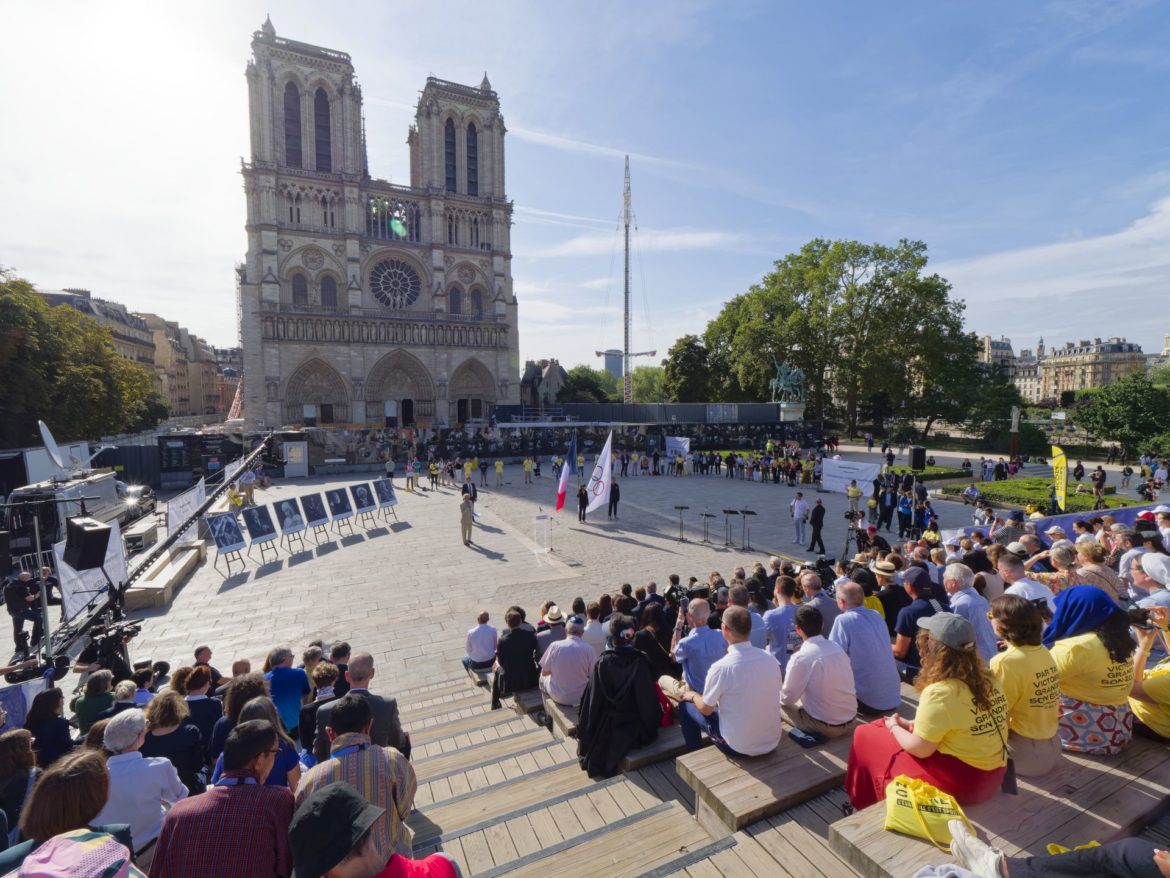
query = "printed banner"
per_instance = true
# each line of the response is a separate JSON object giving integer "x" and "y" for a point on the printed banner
{"x": 79, "y": 587}
{"x": 183, "y": 507}
{"x": 1060, "y": 475}
{"x": 837, "y": 474}
{"x": 677, "y": 445}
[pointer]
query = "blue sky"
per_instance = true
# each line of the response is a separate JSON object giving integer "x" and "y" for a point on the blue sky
{"x": 1027, "y": 143}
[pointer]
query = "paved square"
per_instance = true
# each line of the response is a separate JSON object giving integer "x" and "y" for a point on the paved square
{"x": 408, "y": 592}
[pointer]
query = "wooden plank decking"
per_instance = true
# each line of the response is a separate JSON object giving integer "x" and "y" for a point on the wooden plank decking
{"x": 1087, "y": 798}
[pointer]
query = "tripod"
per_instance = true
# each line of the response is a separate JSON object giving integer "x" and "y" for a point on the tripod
{"x": 855, "y": 537}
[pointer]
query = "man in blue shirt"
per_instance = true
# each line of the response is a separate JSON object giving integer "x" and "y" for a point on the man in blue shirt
{"x": 959, "y": 581}
{"x": 696, "y": 652}
{"x": 862, "y": 633}
{"x": 288, "y": 687}
{"x": 778, "y": 622}
{"x": 917, "y": 583}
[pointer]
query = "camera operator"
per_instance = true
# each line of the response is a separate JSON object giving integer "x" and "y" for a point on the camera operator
{"x": 22, "y": 598}
{"x": 874, "y": 540}
{"x": 106, "y": 650}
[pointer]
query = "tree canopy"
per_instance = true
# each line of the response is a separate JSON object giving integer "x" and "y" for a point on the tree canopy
{"x": 859, "y": 319}
{"x": 1132, "y": 411}
{"x": 586, "y": 384}
{"x": 60, "y": 366}
{"x": 685, "y": 371}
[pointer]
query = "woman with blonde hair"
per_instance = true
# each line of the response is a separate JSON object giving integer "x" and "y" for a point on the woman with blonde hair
{"x": 170, "y": 733}
{"x": 1092, "y": 569}
{"x": 958, "y": 739}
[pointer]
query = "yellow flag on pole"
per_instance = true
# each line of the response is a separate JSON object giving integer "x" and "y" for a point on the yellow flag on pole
{"x": 1059, "y": 476}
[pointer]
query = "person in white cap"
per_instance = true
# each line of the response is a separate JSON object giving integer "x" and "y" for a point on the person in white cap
{"x": 1056, "y": 532}
{"x": 1162, "y": 518}
{"x": 1151, "y": 575}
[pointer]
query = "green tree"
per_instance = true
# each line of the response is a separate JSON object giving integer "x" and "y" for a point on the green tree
{"x": 858, "y": 319}
{"x": 648, "y": 384}
{"x": 60, "y": 366}
{"x": 1131, "y": 411}
{"x": 585, "y": 384}
{"x": 685, "y": 371}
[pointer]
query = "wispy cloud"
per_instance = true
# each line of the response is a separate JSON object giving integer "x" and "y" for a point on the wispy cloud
{"x": 649, "y": 240}
{"x": 534, "y": 216}
{"x": 1118, "y": 276}
{"x": 584, "y": 147}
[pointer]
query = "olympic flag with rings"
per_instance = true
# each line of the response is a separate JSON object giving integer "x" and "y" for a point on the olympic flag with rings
{"x": 602, "y": 478}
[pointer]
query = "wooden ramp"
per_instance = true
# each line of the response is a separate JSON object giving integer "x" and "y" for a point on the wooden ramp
{"x": 1086, "y": 799}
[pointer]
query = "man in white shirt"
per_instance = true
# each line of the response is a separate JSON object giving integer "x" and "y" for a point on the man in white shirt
{"x": 1162, "y": 519}
{"x": 959, "y": 582}
{"x": 595, "y": 633}
{"x": 1011, "y": 568}
{"x": 818, "y": 693}
{"x": 740, "y": 704}
{"x": 566, "y": 665}
{"x": 799, "y": 511}
{"x": 481, "y": 645}
{"x": 141, "y": 788}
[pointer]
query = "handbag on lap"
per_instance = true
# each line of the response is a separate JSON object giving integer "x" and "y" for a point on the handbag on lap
{"x": 914, "y": 807}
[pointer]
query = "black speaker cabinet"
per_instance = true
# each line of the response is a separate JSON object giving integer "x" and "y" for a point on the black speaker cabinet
{"x": 917, "y": 458}
{"x": 86, "y": 541}
{"x": 5, "y": 553}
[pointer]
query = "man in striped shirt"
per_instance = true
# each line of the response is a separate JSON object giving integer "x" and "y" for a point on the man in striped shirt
{"x": 382, "y": 775}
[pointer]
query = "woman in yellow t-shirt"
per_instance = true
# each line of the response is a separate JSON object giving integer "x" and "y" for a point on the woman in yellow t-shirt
{"x": 1150, "y": 697}
{"x": 958, "y": 740}
{"x": 1028, "y": 676}
{"x": 1093, "y": 650}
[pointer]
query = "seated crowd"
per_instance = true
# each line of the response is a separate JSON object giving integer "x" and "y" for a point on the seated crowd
{"x": 297, "y": 770}
{"x": 1017, "y": 652}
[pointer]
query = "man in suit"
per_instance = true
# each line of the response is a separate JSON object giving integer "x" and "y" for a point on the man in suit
{"x": 817, "y": 520}
{"x": 387, "y": 728}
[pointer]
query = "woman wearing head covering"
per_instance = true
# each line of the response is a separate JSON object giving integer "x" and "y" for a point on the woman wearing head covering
{"x": 1029, "y": 678}
{"x": 620, "y": 710}
{"x": 958, "y": 739}
{"x": 1093, "y": 650}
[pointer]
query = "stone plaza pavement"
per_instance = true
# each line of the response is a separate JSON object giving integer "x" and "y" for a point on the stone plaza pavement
{"x": 408, "y": 592}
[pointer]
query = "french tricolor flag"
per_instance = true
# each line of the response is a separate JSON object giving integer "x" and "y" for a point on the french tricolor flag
{"x": 566, "y": 470}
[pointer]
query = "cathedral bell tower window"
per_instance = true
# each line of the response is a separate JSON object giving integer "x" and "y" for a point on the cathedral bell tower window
{"x": 472, "y": 160}
{"x": 449, "y": 153}
{"x": 321, "y": 131}
{"x": 292, "y": 126}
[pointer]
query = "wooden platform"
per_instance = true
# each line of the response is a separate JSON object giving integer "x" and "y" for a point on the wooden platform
{"x": 731, "y": 793}
{"x": 564, "y": 719}
{"x": 1085, "y": 799}
{"x": 528, "y": 701}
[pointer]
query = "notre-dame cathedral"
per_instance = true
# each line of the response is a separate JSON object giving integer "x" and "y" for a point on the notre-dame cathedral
{"x": 361, "y": 302}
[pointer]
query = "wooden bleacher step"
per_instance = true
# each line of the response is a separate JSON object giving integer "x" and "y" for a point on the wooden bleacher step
{"x": 431, "y": 691}
{"x": 669, "y": 743}
{"x": 731, "y": 793}
{"x": 658, "y": 842}
{"x": 466, "y": 813}
{"x": 1086, "y": 798}
{"x": 453, "y": 785}
{"x": 448, "y": 728}
{"x": 478, "y": 755}
{"x": 443, "y": 708}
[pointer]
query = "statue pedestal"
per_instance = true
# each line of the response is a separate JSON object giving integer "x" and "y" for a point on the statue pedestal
{"x": 791, "y": 411}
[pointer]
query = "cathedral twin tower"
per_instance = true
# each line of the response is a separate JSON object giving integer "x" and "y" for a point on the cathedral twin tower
{"x": 362, "y": 302}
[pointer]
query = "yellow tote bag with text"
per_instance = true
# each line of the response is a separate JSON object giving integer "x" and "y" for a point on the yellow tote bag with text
{"x": 914, "y": 807}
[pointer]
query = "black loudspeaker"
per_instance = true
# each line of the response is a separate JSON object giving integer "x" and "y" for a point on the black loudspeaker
{"x": 86, "y": 541}
{"x": 917, "y": 457}
{"x": 5, "y": 553}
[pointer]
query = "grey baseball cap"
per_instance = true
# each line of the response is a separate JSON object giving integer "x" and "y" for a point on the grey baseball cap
{"x": 951, "y": 629}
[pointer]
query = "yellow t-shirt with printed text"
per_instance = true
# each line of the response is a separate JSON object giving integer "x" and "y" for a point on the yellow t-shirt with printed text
{"x": 1157, "y": 686}
{"x": 1087, "y": 673}
{"x": 1031, "y": 682}
{"x": 947, "y": 716}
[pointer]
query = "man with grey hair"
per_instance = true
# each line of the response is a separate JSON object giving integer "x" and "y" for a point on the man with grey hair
{"x": 142, "y": 788}
{"x": 696, "y": 652}
{"x": 566, "y": 665}
{"x": 862, "y": 633}
{"x": 1011, "y": 568}
{"x": 386, "y": 730}
{"x": 815, "y": 596}
{"x": 959, "y": 582}
{"x": 288, "y": 687}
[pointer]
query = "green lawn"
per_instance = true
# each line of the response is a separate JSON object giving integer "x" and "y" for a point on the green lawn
{"x": 1021, "y": 492}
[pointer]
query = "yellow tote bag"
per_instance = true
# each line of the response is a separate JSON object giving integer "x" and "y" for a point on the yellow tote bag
{"x": 914, "y": 807}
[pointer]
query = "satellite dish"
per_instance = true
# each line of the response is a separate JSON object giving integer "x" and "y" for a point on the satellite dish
{"x": 51, "y": 445}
